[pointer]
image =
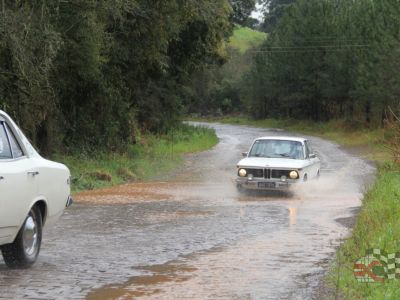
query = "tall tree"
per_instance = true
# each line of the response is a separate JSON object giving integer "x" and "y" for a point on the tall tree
{"x": 329, "y": 59}
{"x": 28, "y": 47}
{"x": 90, "y": 74}
{"x": 273, "y": 11}
{"x": 242, "y": 10}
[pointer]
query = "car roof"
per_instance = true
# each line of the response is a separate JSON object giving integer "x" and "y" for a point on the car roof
{"x": 2, "y": 115}
{"x": 282, "y": 138}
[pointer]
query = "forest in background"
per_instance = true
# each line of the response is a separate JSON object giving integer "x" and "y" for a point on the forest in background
{"x": 326, "y": 60}
{"x": 95, "y": 74}
{"x": 321, "y": 61}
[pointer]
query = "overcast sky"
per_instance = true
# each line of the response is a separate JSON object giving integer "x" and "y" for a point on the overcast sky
{"x": 257, "y": 13}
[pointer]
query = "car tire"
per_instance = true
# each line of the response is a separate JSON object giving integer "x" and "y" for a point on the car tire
{"x": 23, "y": 252}
{"x": 305, "y": 178}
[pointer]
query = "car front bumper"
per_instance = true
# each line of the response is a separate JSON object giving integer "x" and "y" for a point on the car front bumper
{"x": 264, "y": 184}
{"x": 70, "y": 201}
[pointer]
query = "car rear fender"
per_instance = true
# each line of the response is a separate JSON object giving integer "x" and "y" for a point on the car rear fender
{"x": 41, "y": 202}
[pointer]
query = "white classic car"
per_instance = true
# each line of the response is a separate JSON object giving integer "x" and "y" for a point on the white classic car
{"x": 33, "y": 191}
{"x": 277, "y": 163}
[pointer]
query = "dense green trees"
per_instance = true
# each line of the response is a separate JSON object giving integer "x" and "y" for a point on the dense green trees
{"x": 28, "y": 49}
{"x": 242, "y": 10}
{"x": 93, "y": 73}
{"x": 273, "y": 11}
{"x": 328, "y": 59}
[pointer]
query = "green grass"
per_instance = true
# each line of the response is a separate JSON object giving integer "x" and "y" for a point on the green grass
{"x": 378, "y": 226}
{"x": 153, "y": 156}
{"x": 245, "y": 38}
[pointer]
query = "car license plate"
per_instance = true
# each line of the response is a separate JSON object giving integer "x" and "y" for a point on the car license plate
{"x": 269, "y": 185}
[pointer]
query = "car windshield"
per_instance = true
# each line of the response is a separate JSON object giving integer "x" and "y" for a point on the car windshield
{"x": 277, "y": 149}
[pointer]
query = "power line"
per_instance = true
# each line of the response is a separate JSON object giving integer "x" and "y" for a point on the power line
{"x": 315, "y": 47}
{"x": 305, "y": 49}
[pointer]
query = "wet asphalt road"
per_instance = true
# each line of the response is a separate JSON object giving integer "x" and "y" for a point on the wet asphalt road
{"x": 194, "y": 236}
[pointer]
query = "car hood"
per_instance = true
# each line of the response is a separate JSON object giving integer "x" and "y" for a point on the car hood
{"x": 263, "y": 162}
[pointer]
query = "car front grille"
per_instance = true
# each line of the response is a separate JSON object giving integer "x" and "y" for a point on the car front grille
{"x": 267, "y": 173}
{"x": 255, "y": 172}
{"x": 280, "y": 173}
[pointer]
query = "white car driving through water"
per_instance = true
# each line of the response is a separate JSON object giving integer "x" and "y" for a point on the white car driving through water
{"x": 276, "y": 163}
{"x": 33, "y": 191}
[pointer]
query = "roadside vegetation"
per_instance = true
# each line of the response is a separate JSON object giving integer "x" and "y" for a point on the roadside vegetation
{"x": 377, "y": 226}
{"x": 102, "y": 85}
{"x": 153, "y": 156}
{"x": 95, "y": 74}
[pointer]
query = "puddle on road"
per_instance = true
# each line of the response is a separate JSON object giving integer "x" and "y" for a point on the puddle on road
{"x": 267, "y": 264}
{"x": 162, "y": 217}
{"x": 255, "y": 265}
{"x": 252, "y": 266}
{"x": 146, "y": 285}
{"x": 130, "y": 193}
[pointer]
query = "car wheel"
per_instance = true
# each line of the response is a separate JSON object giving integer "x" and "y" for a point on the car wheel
{"x": 305, "y": 178}
{"x": 24, "y": 251}
{"x": 318, "y": 175}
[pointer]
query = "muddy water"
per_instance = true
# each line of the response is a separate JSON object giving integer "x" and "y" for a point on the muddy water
{"x": 192, "y": 236}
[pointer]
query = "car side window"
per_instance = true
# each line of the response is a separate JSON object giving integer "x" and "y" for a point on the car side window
{"x": 308, "y": 149}
{"x": 5, "y": 149}
{"x": 16, "y": 148}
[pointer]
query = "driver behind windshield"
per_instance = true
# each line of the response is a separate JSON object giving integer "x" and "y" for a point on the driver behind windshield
{"x": 277, "y": 148}
{"x": 296, "y": 151}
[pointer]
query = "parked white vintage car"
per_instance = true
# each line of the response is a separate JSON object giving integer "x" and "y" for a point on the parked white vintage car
{"x": 277, "y": 163}
{"x": 33, "y": 191}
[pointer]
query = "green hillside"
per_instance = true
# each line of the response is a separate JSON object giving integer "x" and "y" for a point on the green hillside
{"x": 245, "y": 38}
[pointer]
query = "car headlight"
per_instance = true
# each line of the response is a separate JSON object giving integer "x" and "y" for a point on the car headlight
{"x": 294, "y": 175}
{"x": 242, "y": 172}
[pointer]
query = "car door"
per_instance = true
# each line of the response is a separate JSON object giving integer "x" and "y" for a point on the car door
{"x": 18, "y": 187}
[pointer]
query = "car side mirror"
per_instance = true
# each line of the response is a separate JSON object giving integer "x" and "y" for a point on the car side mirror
{"x": 244, "y": 154}
{"x": 313, "y": 155}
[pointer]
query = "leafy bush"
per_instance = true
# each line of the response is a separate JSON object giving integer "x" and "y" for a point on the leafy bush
{"x": 393, "y": 135}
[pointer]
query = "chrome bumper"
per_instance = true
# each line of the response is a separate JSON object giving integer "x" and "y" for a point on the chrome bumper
{"x": 264, "y": 184}
{"x": 70, "y": 201}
